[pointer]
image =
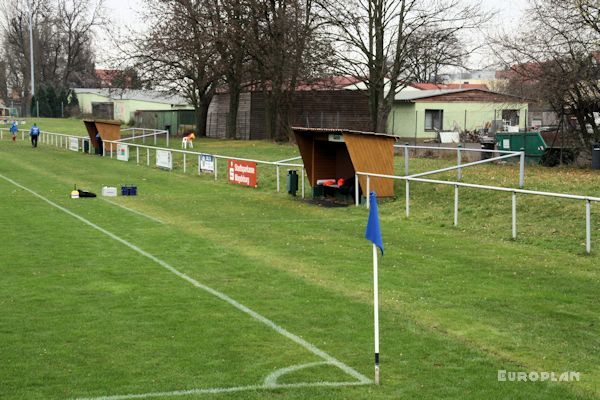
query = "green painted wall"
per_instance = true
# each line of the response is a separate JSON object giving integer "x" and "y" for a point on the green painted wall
{"x": 404, "y": 116}
{"x": 123, "y": 109}
{"x": 86, "y": 100}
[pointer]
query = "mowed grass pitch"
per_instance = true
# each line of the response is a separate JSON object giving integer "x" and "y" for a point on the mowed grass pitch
{"x": 83, "y": 315}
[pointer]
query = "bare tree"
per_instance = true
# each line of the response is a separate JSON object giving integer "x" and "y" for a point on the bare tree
{"x": 62, "y": 41}
{"x": 376, "y": 41}
{"x": 286, "y": 46}
{"x": 177, "y": 53}
{"x": 431, "y": 51}
{"x": 229, "y": 22}
{"x": 556, "y": 62}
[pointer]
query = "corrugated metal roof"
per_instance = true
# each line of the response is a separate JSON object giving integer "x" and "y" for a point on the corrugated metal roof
{"x": 132, "y": 94}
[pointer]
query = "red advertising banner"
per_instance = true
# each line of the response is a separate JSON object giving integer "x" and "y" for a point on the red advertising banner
{"x": 242, "y": 172}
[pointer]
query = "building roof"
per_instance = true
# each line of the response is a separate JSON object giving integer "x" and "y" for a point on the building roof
{"x": 338, "y": 131}
{"x": 409, "y": 96}
{"x": 443, "y": 86}
{"x": 152, "y": 96}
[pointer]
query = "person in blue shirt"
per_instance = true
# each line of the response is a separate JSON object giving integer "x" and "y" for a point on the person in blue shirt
{"x": 34, "y": 132}
{"x": 13, "y": 131}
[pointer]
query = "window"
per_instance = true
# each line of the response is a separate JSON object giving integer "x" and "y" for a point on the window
{"x": 434, "y": 120}
{"x": 511, "y": 117}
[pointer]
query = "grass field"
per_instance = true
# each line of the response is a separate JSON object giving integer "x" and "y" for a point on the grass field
{"x": 215, "y": 291}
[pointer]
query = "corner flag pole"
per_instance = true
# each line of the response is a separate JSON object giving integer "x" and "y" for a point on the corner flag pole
{"x": 373, "y": 233}
{"x": 376, "y": 313}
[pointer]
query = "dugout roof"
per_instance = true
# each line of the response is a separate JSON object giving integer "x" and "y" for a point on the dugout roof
{"x": 109, "y": 130}
{"x": 339, "y": 153}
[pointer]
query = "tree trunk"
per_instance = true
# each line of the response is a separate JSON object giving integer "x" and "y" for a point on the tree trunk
{"x": 232, "y": 116}
{"x": 201, "y": 118}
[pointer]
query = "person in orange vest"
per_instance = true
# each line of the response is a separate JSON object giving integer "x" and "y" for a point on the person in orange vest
{"x": 188, "y": 140}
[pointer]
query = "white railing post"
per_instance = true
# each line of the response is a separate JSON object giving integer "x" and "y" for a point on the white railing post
{"x": 406, "y": 162}
{"x": 455, "y": 205}
{"x": 459, "y": 161}
{"x": 147, "y": 157}
{"x": 278, "y": 185}
{"x": 168, "y": 133}
{"x": 184, "y": 160}
{"x": 407, "y": 198}
{"x": 588, "y": 227}
{"x": 514, "y": 216}
{"x": 522, "y": 169}
{"x": 155, "y": 138}
{"x": 137, "y": 154}
{"x": 356, "y": 190}
{"x": 368, "y": 192}
{"x": 215, "y": 160}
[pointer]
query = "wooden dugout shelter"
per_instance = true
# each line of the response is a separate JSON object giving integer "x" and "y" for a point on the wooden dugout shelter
{"x": 339, "y": 153}
{"x": 109, "y": 130}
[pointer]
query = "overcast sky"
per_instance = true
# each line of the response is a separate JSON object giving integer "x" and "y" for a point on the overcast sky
{"x": 124, "y": 12}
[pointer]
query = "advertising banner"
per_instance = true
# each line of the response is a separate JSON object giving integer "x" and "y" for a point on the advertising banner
{"x": 164, "y": 159}
{"x": 122, "y": 152}
{"x": 242, "y": 173}
{"x": 74, "y": 144}
{"x": 207, "y": 163}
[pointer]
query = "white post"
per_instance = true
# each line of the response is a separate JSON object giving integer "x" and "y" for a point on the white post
{"x": 137, "y": 155}
{"x": 459, "y": 160}
{"x": 199, "y": 170}
{"x": 522, "y": 169}
{"x": 514, "y": 216}
{"x": 588, "y": 227}
{"x": 407, "y": 199}
{"x": 215, "y": 159}
{"x": 406, "y": 162}
{"x": 184, "y": 159}
{"x": 368, "y": 196}
{"x": 376, "y": 312}
{"x": 356, "y": 191}
{"x": 148, "y": 157}
{"x": 278, "y": 186}
{"x": 155, "y": 138}
{"x": 302, "y": 182}
{"x": 455, "y": 205}
{"x": 168, "y": 133}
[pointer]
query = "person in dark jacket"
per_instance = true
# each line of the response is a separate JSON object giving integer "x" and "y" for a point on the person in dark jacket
{"x": 34, "y": 132}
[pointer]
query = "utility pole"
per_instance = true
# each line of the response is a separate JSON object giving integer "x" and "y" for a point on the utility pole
{"x": 31, "y": 50}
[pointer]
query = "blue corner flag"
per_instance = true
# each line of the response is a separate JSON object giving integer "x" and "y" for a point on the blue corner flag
{"x": 373, "y": 232}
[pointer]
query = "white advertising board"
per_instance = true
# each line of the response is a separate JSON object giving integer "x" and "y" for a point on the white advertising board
{"x": 164, "y": 159}
{"x": 207, "y": 163}
{"x": 74, "y": 144}
{"x": 122, "y": 152}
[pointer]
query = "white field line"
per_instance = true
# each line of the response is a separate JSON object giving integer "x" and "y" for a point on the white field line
{"x": 222, "y": 390}
{"x": 271, "y": 379}
{"x": 297, "y": 339}
{"x": 134, "y": 211}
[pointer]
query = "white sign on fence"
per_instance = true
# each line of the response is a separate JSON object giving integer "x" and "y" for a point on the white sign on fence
{"x": 164, "y": 159}
{"x": 207, "y": 163}
{"x": 122, "y": 152}
{"x": 74, "y": 144}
